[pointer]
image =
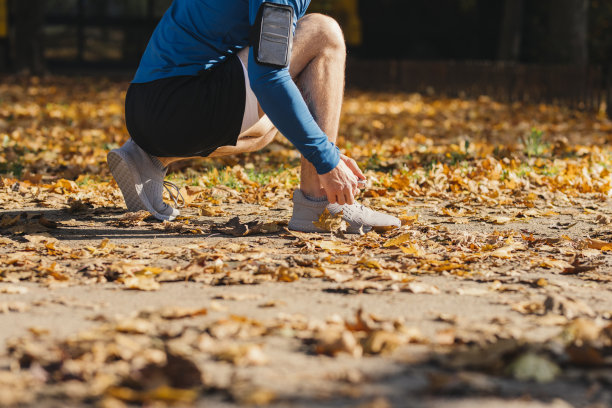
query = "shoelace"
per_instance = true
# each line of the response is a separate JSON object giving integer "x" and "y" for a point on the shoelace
{"x": 175, "y": 198}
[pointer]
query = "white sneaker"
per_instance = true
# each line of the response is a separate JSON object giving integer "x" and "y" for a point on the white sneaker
{"x": 141, "y": 180}
{"x": 360, "y": 219}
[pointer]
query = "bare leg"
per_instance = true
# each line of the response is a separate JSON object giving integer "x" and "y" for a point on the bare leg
{"x": 317, "y": 66}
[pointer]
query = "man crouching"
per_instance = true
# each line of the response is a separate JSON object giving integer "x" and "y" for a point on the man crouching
{"x": 218, "y": 78}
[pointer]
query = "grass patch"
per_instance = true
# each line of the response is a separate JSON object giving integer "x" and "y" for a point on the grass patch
{"x": 534, "y": 143}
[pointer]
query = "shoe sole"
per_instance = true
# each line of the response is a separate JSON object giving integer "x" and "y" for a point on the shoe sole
{"x": 305, "y": 227}
{"x": 127, "y": 178}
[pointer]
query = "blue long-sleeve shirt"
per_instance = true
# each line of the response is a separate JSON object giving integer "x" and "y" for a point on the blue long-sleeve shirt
{"x": 195, "y": 35}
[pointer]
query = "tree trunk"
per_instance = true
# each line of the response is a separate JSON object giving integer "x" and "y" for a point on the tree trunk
{"x": 511, "y": 31}
{"x": 568, "y": 28}
{"x": 27, "y": 36}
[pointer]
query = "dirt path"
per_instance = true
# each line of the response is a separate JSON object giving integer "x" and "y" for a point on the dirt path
{"x": 455, "y": 309}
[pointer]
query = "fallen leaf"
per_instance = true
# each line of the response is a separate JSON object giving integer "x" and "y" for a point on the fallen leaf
{"x": 381, "y": 342}
{"x": 599, "y": 244}
{"x": 174, "y": 313}
{"x": 132, "y": 219}
{"x": 556, "y": 263}
{"x": 334, "y": 246}
{"x": 472, "y": 291}
{"x": 141, "y": 283}
{"x": 397, "y": 241}
{"x": 332, "y": 342}
{"x": 420, "y": 288}
{"x": 242, "y": 355}
{"x": 332, "y": 223}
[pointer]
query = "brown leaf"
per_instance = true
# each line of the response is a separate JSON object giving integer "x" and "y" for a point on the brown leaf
{"x": 242, "y": 354}
{"x": 332, "y": 342}
{"x": 381, "y": 342}
{"x": 174, "y": 313}
{"x": 131, "y": 219}
{"x": 332, "y": 223}
{"x": 9, "y": 220}
{"x": 599, "y": 244}
{"x": 578, "y": 267}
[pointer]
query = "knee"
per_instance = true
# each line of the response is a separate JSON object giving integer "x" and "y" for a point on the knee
{"x": 328, "y": 30}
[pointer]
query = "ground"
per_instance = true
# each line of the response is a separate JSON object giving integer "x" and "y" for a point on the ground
{"x": 496, "y": 290}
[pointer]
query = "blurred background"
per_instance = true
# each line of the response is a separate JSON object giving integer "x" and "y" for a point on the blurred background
{"x": 539, "y": 50}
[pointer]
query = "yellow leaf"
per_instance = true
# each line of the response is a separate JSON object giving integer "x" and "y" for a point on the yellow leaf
{"x": 333, "y": 246}
{"x": 409, "y": 219}
{"x": 411, "y": 250}
{"x": 598, "y": 244}
{"x": 141, "y": 283}
{"x": 556, "y": 263}
{"x": 504, "y": 252}
{"x": 67, "y": 185}
{"x": 369, "y": 263}
{"x": 499, "y": 220}
{"x": 332, "y": 223}
{"x": 397, "y": 241}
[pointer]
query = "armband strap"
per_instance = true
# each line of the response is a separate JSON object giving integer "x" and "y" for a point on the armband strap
{"x": 272, "y": 35}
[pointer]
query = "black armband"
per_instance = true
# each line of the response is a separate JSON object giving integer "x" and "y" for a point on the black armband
{"x": 272, "y": 35}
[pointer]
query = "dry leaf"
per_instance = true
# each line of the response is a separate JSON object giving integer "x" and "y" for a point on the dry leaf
{"x": 141, "y": 283}
{"x": 397, "y": 241}
{"x": 242, "y": 355}
{"x": 173, "y": 313}
{"x": 332, "y": 223}
{"x": 381, "y": 342}
{"x": 332, "y": 342}
{"x": 420, "y": 288}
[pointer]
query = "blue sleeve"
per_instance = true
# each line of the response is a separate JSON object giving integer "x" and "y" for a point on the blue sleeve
{"x": 282, "y": 101}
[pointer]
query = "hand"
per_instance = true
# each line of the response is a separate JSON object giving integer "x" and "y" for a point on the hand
{"x": 341, "y": 184}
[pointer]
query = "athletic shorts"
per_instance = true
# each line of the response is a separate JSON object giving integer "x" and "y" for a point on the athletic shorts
{"x": 188, "y": 116}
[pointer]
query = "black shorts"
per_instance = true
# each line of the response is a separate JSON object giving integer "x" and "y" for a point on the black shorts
{"x": 188, "y": 116}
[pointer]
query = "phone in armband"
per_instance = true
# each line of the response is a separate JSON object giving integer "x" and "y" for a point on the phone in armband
{"x": 272, "y": 35}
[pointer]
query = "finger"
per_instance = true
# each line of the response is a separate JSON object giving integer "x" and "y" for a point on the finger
{"x": 331, "y": 197}
{"x": 356, "y": 191}
{"x": 352, "y": 164}
{"x": 340, "y": 199}
{"x": 348, "y": 195}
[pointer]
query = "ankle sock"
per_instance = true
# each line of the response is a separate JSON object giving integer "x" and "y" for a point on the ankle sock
{"x": 315, "y": 199}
